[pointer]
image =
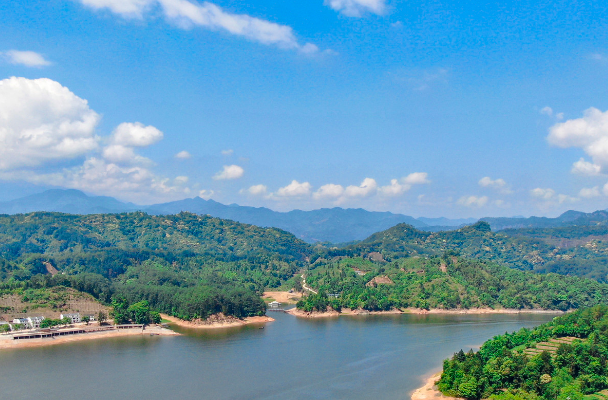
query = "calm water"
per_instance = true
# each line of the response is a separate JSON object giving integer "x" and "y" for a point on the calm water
{"x": 373, "y": 357}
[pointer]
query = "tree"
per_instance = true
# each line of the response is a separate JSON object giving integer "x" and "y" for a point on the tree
{"x": 86, "y": 319}
{"x": 101, "y": 317}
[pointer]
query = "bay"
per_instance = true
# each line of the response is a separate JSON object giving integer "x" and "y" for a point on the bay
{"x": 351, "y": 357}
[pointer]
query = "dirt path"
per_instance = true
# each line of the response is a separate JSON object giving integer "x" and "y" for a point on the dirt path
{"x": 306, "y": 287}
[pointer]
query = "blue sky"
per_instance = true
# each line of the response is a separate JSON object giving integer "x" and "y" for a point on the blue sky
{"x": 436, "y": 108}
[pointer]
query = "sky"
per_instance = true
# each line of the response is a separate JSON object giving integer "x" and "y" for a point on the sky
{"x": 426, "y": 108}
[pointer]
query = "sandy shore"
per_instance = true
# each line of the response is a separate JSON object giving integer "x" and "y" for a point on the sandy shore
{"x": 429, "y": 391}
{"x": 346, "y": 311}
{"x": 312, "y": 314}
{"x": 7, "y": 342}
{"x": 283, "y": 297}
{"x": 224, "y": 323}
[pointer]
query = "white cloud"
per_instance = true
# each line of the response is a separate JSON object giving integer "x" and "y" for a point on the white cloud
{"x": 497, "y": 184}
{"x": 295, "y": 189}
{"x": 329, "y": 191}
{"x": 135, "y": 135}
{"x": 206, "y": 194}
{"x": 420, "y": 80}
{"x": 187, "y": 14}
{"x": 582, "y": 167}
{"x": 229, "y": 172}
{"x": 589, "y": 193}
{"x": 183, "y": 155}
{"x": 394, "y": 189}
{"x": 542, "y": 193}
{"x": 599, "y": 57}
{"x": 473, "y": 201}
{"x": 228, "y": 152}
{"x": 26, "y": 58}
{"x": 255, "y": 190}
{"x": 589, "y": 133}
{"x": 40, "y": 121}
{"x": 366, "y": 188}
{"x": 43, "y": 124}
{"x": 357, "y": 8}
{"x": 547, "y": 111}
{"x": 181, "y": 180}
{"x": 416, "y": 178}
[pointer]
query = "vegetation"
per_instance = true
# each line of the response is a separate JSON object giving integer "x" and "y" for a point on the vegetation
{"x": 186, "y": 265}
{"x": 565, "y": 359}
{"x": 443, "y": 282}
{"x": 572, "y": 250}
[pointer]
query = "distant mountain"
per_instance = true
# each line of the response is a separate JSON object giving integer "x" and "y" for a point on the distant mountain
{"x": 67, "y": 201}
{"x": 569, "y": 218}
{"x": 334, "y": 225}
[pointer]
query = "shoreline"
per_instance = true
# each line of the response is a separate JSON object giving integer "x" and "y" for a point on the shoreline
{"x": 227, "y": 323}
{"x": 417, "y": 311}
{"x": 7, "y": 342}
{"x": 429, "y": 390}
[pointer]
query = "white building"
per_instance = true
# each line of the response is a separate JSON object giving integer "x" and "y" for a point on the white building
{"x": 34, "y": 322}
{"x": 274, "y": 304}
{"x": 73, "y": 317}
{"x": 22, "y": 321}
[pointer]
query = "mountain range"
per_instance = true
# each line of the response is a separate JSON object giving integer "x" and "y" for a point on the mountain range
{"x": 334, "y": 225}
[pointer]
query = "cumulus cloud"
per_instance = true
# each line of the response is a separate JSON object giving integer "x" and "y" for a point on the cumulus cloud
{"x": 394, "y": 189}
{"x": 329, "y": 191}
{"x": 473, "y": 201}
{"x": 366, "y": 188}
{"x": 206, "y": 194}
{"x": 589, "y": 193}
{"x": 40, "y": 121}
{"x": 295, "y": 189}
{"x": 135, "y": 135}
{"x": 357, "y": 8}
{"x": 126, "y": 137}
{"x": 496, "y": 184}
{"x": 542, "y": 193}
{"x": 44, "y": 127}
{"x": 549, "y": 112}
{"x": 255, "y": 190}
{"x": 590, "y": 133}
{"x": 26, "y": 58}
{"x": 187, "y": 14}
{"x": 229, "y": 172}
{"x": 227, "y": 152}
{"x": 582, "y": 167}
{"x": 183, "y": 155}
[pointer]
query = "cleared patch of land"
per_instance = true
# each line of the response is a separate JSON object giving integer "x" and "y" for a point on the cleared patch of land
{"x": 282, "y": 297}
{"x": 49, "y": 303}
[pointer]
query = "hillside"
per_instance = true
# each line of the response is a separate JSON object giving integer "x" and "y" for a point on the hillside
{"x": 574, "y": 250}
{"x": 564, "y": 359}
{"x": 447, "y": 282}
{"x": 186, "y": 265}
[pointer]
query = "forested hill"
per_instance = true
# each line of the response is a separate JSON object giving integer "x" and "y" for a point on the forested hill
{"x": 445, "y": 282}
{"x": 53, "y": 234}
{"x": 186, "y": 265}
{"x": 569, "y": 218}
{"x": 565, "y": 359}
{"x": 539, "y": 250}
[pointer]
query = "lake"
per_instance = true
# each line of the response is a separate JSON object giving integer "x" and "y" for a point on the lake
{"x": 351, "y": 357}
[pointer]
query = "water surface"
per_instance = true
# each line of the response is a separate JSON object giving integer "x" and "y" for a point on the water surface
{"x": 364, "y": 357}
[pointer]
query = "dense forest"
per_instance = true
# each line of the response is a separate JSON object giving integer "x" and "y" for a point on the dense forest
{"x": 445, "y": 282}
{"x": 186, "y": 265}
{"x": 564, "y": 359}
